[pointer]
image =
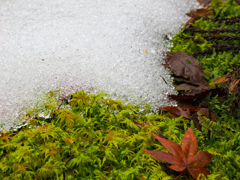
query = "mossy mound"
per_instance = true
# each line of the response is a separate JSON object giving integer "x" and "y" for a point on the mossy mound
{"x": 95, "y": 138}
{"x": 92, "y": 137}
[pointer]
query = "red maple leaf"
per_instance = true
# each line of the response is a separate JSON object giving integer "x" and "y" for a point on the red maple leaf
{"x": 185, "y": 156}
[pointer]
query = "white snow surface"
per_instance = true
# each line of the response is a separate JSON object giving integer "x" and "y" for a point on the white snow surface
{"x": 95, "y": 45}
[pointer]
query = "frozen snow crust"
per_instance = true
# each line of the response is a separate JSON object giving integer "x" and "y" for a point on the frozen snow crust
{"x": 95, "y": 45}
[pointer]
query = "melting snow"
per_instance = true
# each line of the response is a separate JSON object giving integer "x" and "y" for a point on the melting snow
{"x": 111, "y": 45}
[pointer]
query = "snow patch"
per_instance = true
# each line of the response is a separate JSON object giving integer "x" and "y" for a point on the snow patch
{"x": 111, "y": 45}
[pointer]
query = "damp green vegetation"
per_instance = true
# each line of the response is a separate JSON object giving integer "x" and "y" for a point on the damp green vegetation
{"x": 90, "y": 136}
{"x": 93, "y": 137}
{"x": 213, "y": 40}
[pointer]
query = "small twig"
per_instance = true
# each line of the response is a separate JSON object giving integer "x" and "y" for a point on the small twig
{"x": 164, "y": 80}
{"x": 69, "y": 159}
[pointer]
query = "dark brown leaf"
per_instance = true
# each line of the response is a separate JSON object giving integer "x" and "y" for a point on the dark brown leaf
{"x": 175, "y": 111}
{"x": 182, "y": 64}
{"x": 232, "y": 84}
{"x": 203, "y": 112}
{"x": 188, "y": 87}
{"x": 197, "y": 94}
{"x": 204, "y": 104}
{"x": 199, "y": 12}
{"x": 160, "y": 133}
{"x": 205, "y": 3}
{"x": 196, "y": 121}
{"x": 186, "y": 106}
{"x": 213, "y": 117}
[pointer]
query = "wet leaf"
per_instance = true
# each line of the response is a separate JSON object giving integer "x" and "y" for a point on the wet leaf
{"x": 205, "y": 3}
{"x": 203, "y": 112}
{"x": 199, "y": 12}
{"x": 188, "y": 87}
{"x": 176, "y": 111}
{"x": 183, "y": 65}
{"x": 184, "y": 156}
{"x": 197, "y": 94}
{"x": 187, "y": 106}
{"x": 219, "y": 80}
{"x": 188, "y": 24}
{"x": 233, "y": 85}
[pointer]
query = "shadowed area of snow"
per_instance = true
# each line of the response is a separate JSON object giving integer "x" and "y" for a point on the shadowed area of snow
{"x": 111, "y": 45}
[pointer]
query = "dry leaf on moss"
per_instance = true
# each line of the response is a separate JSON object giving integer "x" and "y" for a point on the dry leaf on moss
{"x": 199, "y": 12}
{"x": 205, "y": 3}
{"x": 189, "y": 87}
{"x": 176, "y": 111}
{"x": 184, "y": 156}
{"x": 183, "y": 65}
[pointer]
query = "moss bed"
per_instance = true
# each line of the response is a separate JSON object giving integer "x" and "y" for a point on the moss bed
{"x": 88, "y": 136}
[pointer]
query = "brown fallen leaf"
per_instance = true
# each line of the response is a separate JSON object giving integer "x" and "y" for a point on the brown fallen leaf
{"x": 189, "y": 22}
{"x": 203, "y": 112}
{"x": 213, "y": 116}
{"x": 233, "y": 85}
{"x": 205, "y": 3}
{"x": 188, "y": 87}
{"x": 206, "y": 113}
{"x": 197, "y": 94}
{"x": 194, "y": 15}
{"x": 204, "y": 104}
{"x": 184, "y": 156}
{"x": 219, "y": 80}
{"x": 199, "y": 12}
{"x": 176, "y": 111}
{"x": 182, "y": 64}
{"x": 185, "y": 105}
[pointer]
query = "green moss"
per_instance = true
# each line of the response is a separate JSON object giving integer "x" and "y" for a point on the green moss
{"x": 93, "y": 137}
{"x": 216, "y": 63}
